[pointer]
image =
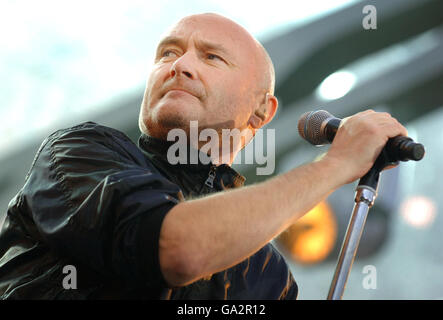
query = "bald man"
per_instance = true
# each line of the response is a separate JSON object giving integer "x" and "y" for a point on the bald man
{"x": 102, "y": 218}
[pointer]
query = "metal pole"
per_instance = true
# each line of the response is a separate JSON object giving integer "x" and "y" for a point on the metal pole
{"x": 364, "y": 199}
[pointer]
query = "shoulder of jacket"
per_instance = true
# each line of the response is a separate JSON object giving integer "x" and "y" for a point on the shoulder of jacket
{"x": 86, "y": 137}
{"x": 91, "y": 129}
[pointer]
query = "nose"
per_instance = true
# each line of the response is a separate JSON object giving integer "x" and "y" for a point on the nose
{"x": 183, "y": 66}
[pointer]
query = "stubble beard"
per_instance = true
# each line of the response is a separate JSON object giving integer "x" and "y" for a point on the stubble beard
{"x": 161, "y": 119}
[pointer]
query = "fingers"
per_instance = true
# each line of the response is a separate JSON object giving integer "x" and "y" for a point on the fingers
{"x": 360, "y": 139}
{"x": 404, "y": 131}
{"x": 383, "y": 123}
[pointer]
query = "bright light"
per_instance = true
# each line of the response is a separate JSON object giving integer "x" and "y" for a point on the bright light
{"x": 312, "y": 238}
{"x": 418, "y": 211}
{"x": 336, "y": 85}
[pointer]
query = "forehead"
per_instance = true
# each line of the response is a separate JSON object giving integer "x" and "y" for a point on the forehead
{"x": 213, "y": 29}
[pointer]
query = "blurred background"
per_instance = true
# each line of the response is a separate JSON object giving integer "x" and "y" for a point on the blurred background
{"x": 62, "y": 63}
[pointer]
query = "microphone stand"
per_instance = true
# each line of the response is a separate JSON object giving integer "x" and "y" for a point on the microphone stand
{"x": 365, "y": 195}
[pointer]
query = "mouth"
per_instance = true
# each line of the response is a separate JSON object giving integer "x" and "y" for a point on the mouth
{"x": 178, "y": 92}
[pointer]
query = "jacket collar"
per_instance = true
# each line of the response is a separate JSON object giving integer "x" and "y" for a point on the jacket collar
{"x": 217, "y": 177}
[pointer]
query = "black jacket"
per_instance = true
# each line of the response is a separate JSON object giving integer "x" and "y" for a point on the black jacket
{"x": 96, "y": 201}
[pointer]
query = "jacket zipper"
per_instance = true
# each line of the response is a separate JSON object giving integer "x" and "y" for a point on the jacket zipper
{"x": 211, "y": 176}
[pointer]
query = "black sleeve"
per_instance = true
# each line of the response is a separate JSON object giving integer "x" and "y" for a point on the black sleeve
{"x": 94, "y": 197}
{"x": 291, "y": 290}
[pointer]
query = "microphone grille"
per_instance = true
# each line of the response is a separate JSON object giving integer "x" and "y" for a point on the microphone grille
{"x": 301, "y": 124}
{"x": 310, "y": 124}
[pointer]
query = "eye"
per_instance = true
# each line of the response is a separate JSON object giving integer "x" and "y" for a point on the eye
{"x": 169, "y": 54}
{"x": 212, "y": 56}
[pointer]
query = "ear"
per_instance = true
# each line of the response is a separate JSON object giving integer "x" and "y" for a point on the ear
{"x": 264, "y": 113}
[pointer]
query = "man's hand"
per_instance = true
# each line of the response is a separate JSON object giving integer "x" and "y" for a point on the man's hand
{"x": 359, "y": 141}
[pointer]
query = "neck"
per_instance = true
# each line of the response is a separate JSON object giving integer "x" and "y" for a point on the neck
{"x": 221, "y": 146}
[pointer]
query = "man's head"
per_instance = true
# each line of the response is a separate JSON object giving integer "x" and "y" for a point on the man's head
{"x": 210, "y": 69}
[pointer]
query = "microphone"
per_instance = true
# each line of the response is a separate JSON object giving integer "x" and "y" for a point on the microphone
{"x": 319, "y": 127}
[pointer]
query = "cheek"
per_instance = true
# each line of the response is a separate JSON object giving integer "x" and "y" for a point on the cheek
{"x": 154, "y": 84}
{"x": 230, "y": 93}
{"x": 230, "y": 107}
{"x": 238, "y": 98}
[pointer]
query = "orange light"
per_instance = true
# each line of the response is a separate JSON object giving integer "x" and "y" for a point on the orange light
{"x": 312, "y": 238}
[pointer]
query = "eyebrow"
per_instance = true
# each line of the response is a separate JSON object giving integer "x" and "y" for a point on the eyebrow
{"x": 201, "y": 44}
{"x": 170, "y": 40}
{"x": 207, "y": 45}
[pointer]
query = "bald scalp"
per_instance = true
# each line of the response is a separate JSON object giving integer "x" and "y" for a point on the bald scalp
{"x": 269, "y": 71}
{"x": 264, "y": 65}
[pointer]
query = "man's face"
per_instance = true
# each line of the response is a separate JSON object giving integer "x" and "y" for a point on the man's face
{"x": 205, "y": 69}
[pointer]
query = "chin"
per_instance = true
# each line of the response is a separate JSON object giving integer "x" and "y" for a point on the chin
{"x": 167, "y": 116}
